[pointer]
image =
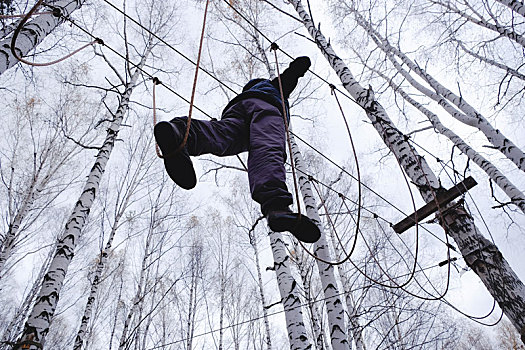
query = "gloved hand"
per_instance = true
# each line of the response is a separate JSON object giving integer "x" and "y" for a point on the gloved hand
{"x": 300, "y": 65}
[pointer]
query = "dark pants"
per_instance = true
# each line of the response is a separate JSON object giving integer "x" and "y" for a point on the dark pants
{"x": 251, "y": 125}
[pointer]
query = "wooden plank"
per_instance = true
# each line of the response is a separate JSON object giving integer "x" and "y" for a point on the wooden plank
{"x": 431, "y": 207}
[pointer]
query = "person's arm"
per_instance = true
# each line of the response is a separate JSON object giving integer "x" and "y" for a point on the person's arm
{"x": 291, "y": 75}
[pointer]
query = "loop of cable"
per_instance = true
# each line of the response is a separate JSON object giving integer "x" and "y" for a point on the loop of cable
{"x": 57, "y": 13}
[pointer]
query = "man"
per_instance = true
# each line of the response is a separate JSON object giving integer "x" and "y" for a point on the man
{"x": 253, "y": 121}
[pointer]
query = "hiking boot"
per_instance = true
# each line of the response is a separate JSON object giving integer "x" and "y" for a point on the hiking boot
{"x": 177, "y": 164}
{"x": 301, "y": 226}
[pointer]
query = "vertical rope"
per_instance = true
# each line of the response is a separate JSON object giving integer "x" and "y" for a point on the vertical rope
{"x": 188, "y": 124}
{"x": 156, "y": 82}
{"x": 192, "y": 99}
{"x": 274, "y": 48}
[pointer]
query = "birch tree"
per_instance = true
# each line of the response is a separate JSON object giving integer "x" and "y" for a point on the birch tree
{"x": 35, "y": 31}
{"x": 457, "y": 106}
{"x": 480, "y": 254}
{"x": 38, "y": 323}
{"x": 138, "y": 164}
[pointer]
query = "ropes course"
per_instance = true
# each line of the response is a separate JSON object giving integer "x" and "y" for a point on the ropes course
{"x": 274, "y": 47}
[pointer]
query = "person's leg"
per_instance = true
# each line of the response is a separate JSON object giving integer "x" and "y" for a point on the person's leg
{"x": 267, "y": 153}
{"x": 222, "y": 138}
{"x": 225, "y": 137}
{"x": 267, "y": 173}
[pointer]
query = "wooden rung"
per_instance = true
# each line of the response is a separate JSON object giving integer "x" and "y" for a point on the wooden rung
{"x": 431, "y": 207}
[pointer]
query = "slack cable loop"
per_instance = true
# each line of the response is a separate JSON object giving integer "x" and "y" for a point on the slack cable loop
{"x": 274, "y": 48}
{"x": 358, "y": 168}
{"x": 57, "y": 13}
{"x": 348, "y": 255}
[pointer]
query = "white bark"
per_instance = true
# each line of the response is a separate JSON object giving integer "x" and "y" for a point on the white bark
{"x": 253, "y": 243}
{"x": 469, "y": 116}
{"x": 88, "y": 310}
{"x": 334, "y": 304}
{"x": 354, "y": 328}
{"x": 482, "y": 22}
{"x": 17, "y": 322}
{"x": 516, "y": 6}
{"x": 34, "y": 32}
{"x": 139, "y": 294}
{"x": 289, "y": 290}
{"x": 37, "y": 325}
{"x": 304, "y": 264}
{"x": 480, "y": 254}
{"x": 8, "y": 29}
{"x": 509, "y": 71}
{"x": 515, "y": 195}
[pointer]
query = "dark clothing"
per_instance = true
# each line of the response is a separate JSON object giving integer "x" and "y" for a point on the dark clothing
{"x": 251, "y": 125}
{"x": 253, "y": 121}
{"x": 268, "y": 90}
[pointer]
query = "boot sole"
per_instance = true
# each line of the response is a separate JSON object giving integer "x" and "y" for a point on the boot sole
{"x": 303, "y": 228}
{"x": 178, "y": 165}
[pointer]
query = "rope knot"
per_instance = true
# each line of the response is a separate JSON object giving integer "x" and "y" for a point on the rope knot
{"x": 342, "y": 196}
{"x": 99, "y": 41}
{"x": 274, "y": 46}
{"x": 57, "y": 12}
{"x": 156, "y": 81}
{"x": 332, "y": 88}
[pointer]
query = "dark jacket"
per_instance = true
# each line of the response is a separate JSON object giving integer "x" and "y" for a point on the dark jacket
{"x": 268, "y": 90}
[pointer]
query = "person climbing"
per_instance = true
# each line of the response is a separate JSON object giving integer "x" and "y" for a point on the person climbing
{"x": 252, "y": 121}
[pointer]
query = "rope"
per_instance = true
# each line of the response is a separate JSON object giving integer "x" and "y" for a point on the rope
{"x": 57, "y": 13}
{"x": 274, "y": 48}
{"x": 156, "y": 82}
{"x": 192, "y": 99}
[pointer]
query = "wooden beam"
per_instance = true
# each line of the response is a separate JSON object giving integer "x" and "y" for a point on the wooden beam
{"x": 431, "y": 207}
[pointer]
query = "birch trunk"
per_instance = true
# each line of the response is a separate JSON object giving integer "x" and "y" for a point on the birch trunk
{"x": 334, "y": 304}
{"x": 481, "y": 255}
{"x": 288, "y": 288}
{"x": 354, "y": 328}
{"x": 253, "y": 243}
{"x": 34, "y": 32}
{"x": 17, "y": 322}
{"x": 482, "y": 22}
{"x": 120, "y": 208}
{"x": 9, "y": 241}
{"x": 515, "y": 5}
{"x": 39, "y": 181}
{"x": 304, "y": 264}
{"x": 37, "y": 325}
{"x": 8, "y": 29}
{"x": 469, "y": 116}
{"x": 139, "y": 294}
{"x": 88, "y": 310}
